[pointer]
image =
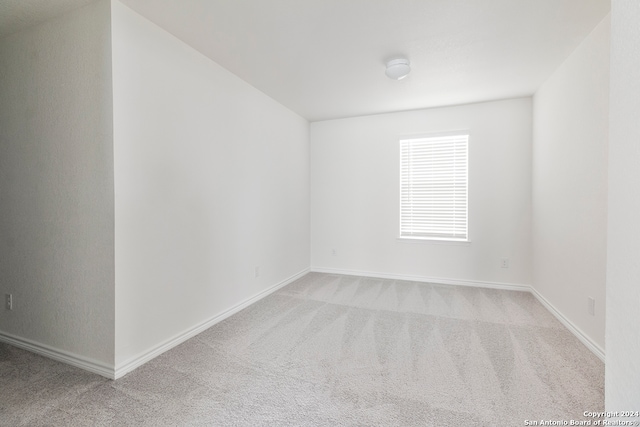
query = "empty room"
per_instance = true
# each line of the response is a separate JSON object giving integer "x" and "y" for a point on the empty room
{"x": 319, "y": 212}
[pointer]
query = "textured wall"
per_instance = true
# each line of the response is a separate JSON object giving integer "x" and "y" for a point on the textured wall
{"x": 355, "y": 194}
{"x": 623, "y": 245}
{"x": 570, "y": 135}
{"x": 56, "y": 183}
{"x": 211, "y": 180}
{"x": 16, "y": 15}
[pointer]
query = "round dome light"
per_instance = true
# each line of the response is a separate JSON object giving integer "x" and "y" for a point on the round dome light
{"x": 398, "y": 69}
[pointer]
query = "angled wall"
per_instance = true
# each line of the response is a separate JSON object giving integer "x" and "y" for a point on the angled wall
{"x": 56, "y": 187}
{"x": 570, "y": 139}
{"x": 211, "y": 181}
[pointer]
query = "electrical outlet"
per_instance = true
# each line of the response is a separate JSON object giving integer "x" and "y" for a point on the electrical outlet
{"x": 257, "y": 272}
{"x": 333, "y": 252}
{"x": 504, "y": 263}
{"x": 591, "y": 306}
{"x": 8, "y": 301}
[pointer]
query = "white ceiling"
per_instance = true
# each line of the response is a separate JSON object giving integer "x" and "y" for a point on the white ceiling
{"x": 325, "y": 58}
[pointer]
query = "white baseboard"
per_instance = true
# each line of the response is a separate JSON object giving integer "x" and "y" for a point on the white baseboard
{"x": 112, "y": 372}
{"x": 136, "y": 361}
{"x": 438, "y": 280}
{"x": 69, "y": 358}
{"x": 588, "y": 342}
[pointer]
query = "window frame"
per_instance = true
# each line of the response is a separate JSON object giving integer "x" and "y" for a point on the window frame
{"x": 433, "y": 239}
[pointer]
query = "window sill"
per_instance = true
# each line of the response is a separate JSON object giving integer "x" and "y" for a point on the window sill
{"x": 418, "y": 240}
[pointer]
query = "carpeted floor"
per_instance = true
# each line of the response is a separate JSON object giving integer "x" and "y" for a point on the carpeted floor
{"x": 331, "y": 350}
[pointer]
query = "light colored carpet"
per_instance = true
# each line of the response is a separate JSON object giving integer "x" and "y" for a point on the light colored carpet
{"x": 331, "y": 350}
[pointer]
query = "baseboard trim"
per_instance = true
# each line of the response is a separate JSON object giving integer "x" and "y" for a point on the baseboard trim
{"x": 136, "y": 361}
{"x": 588, "y": 342}
{"x": 63, "y": 356}
{"x": 112, "y": 372}
{"x": 427, "y": 279}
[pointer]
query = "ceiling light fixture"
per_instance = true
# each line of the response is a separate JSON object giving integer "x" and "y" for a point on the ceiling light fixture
{"x": 398, "y": 69}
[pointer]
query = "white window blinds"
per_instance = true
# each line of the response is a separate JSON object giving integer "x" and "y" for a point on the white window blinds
{"x": 433, "y": 187}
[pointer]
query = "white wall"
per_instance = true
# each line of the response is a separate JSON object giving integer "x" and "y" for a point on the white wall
{"x": 570, "y": 134}
{"x": 56, "y": 184}
{"x": 211, "y": 180}
{"x": 622, "y": 384}
{"x": 355, "y": 194}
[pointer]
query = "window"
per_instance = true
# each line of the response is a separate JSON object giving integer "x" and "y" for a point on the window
{"x": 433, "y": 187}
